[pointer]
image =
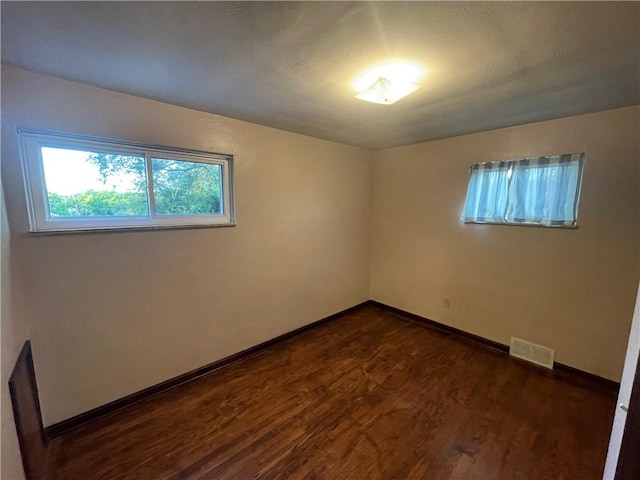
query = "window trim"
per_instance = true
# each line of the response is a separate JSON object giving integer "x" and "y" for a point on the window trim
{"x": 32, "y": 140}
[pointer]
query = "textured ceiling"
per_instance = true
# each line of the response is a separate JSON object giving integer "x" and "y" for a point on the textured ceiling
{"x": 290, "y": 64}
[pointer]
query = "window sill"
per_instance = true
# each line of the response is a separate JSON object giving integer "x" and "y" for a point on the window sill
{"x": 38, "y": 233}
{"x": 518, "y": 224}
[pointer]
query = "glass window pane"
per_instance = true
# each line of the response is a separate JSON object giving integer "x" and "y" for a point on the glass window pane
{"x": 487, "y": 193}
{"x": 534, "y": 191}
{"x": 186, "y": 188}
{"x": 87, "y": 184}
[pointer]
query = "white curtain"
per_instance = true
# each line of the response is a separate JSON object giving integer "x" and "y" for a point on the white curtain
{"x": 532, "y": 191}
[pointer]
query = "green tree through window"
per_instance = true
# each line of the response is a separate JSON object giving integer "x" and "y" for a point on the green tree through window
{"x": 186, "y": 188}
{"x": 98, "y": 203}
{"x": 180, "y": 188}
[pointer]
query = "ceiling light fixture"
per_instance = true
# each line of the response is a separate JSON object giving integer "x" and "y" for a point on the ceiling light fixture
{"x": 388, "y": 82}
{"x": 386, "y": 92}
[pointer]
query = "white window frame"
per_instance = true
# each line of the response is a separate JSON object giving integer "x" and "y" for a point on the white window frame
{"x": 32, "y": 141}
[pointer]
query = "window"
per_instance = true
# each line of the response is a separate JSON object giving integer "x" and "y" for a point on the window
{"x": 530, "y": 191}
{"x": 85, "y": 183}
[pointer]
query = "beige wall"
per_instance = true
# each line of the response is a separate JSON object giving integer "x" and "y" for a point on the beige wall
{"x": 14, "y": 334}
{"x": 112, "y": 313}
{"x": 572, "y": 290}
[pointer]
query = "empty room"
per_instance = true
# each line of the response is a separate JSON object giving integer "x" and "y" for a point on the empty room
{"x": 320, "y": 240}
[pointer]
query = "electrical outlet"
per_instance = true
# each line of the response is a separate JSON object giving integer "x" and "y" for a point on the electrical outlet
{"x": 446, "y": 302}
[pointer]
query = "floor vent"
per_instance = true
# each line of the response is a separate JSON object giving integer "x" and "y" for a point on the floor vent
{"x": 532, "y": 353}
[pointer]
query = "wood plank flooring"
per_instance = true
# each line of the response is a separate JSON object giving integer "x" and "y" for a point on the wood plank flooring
{"x": 366, "y": 396}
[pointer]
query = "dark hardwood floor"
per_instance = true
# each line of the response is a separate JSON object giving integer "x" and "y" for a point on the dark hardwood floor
{"x": 366, "y": 396}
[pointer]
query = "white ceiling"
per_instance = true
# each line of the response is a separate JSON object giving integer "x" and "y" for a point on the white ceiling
{"x": 290, "y": 64}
